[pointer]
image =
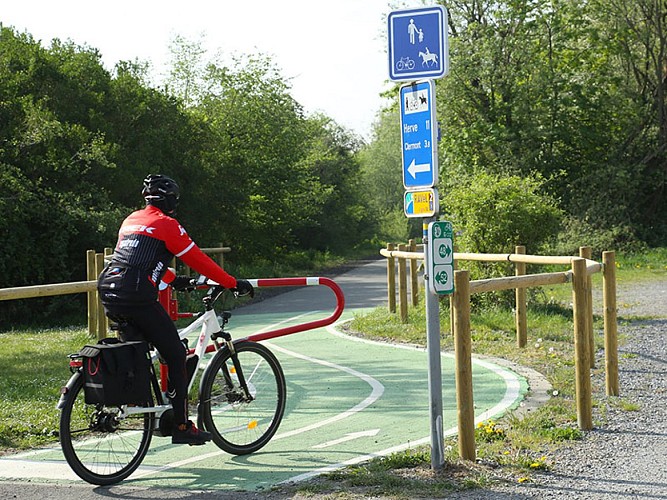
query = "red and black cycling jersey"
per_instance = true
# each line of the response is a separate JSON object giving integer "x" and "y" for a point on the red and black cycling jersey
{"x": 147, "y": 241}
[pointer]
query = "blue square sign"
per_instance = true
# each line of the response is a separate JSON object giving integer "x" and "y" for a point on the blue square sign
{"x": 418, "y": 45}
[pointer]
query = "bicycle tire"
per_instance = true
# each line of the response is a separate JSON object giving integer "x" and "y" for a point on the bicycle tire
{"x": 98, "y": 447}
{"x": 241, "y": 427}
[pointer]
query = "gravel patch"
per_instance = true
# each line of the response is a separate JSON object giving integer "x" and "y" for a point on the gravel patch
{"x": 623, "y": 457}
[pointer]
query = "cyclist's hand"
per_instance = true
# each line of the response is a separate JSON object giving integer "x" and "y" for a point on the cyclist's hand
{"x": 243, "y": 287}
{"x": 182, "y": 284}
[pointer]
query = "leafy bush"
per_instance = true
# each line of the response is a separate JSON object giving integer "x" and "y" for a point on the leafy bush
{"x": 577, "y": 232}
{"x": 494, "y": 213}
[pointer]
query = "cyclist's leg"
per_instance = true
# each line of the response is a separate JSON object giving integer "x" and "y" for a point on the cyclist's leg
{"x": 158, "y": 329}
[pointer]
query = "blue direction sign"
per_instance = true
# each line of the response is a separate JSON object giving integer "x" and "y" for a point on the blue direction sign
{"x": 419, "y": 135}
{"x": 418, "y": 45}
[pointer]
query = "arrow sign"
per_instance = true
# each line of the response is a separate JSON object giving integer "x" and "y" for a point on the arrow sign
{"x": 442, "y": 277}
{"x": 348, "y": 437}
{"x": 414, "y": 168}
{"x": 419, "y": 135}
{"x": 441, "y": 250}
{"x": 445, "y": 251}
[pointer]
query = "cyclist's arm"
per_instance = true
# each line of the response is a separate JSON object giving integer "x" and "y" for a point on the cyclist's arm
{"x": 181, "y": 245}
{"x": 203, "y": 264}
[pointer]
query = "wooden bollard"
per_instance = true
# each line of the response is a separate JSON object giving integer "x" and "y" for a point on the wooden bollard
{"x": 102, "y": 324}
{"x": 520, "y": 306}
{"x": 92, "y": 295}
{"x": 463, "y": 358}
{"x": 402, "y": 286}
{"x": 587, "y": 253}
{"x": 610, "y": 324}
{"x": 391, "y": 280}
{"x": 581, "y": 345}
{"x": 414, "y": 278}
{"x": 221, "y": 257}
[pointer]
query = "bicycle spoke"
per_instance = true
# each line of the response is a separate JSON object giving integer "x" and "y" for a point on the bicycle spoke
{"x": 99, "y": 445}
{"x": 242, "y": 423}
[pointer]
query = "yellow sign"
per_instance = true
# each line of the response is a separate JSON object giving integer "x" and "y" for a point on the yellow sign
{"x": 421, "y": 203}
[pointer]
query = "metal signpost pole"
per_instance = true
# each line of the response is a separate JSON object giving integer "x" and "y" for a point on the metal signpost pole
{"x": 434, "y": 362}
{"x": 418, "y": 49}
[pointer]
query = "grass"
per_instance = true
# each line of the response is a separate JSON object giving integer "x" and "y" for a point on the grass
{"x": 33, "y": 364}
{"x": 34, "y": 367}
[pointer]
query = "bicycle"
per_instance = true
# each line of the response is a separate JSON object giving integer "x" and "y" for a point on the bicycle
{"x": 241, "y": 402}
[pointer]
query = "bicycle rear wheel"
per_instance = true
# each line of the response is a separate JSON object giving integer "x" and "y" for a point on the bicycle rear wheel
{"x": 241, "y": 424}
{"x": 100, "y": 445}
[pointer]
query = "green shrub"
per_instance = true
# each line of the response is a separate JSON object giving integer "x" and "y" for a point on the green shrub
{"x": 493, "y": 214}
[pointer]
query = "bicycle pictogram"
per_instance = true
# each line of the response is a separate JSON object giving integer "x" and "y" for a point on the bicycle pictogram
{"x": 405, "y": 64}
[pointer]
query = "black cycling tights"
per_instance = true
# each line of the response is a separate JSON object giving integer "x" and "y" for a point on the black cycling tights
{"x": 154, "y": 325}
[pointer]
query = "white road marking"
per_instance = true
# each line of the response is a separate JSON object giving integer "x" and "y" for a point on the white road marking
{"x": 377, "y": 391}
{"x": 348, "y": 437}
{"x": 17, "y": 468}
{"x": 510, "y": 397}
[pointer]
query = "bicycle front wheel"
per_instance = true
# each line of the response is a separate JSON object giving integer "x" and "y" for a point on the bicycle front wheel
{"x": 241, "y": 421}
{"x": 101, "y": 444}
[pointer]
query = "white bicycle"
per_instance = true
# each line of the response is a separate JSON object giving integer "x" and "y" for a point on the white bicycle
{"x": 241, "y": 401}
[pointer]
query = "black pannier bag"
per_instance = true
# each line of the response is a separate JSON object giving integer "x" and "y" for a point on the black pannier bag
{"x": 116, "y": 373}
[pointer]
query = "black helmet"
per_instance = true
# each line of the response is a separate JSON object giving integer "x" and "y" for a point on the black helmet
{"x": 161, "y": 192}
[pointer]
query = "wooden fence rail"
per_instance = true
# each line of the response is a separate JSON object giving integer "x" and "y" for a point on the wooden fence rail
{"x": 579, "y": 275}
{"x": 97, "y": 321}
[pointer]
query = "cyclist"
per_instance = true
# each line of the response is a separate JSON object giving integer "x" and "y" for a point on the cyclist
{"x": 148, "y": 240}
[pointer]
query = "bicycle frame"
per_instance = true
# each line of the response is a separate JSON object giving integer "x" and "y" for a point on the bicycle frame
{"x": 206, "y": 323}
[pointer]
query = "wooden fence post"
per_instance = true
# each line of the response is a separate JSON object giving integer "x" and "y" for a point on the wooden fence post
{"x": 520, "y": 299}
{"x": 463, "y": 357}
{"x": 102, "y": 323}
{"x": 610, "y": 325}
{"x": 402, "y": 286}
{"x": 391, "y": 280}
{"x": 581, "y": 345}
{"x": 587, "y": 253}
{"x": 414, "y": 279}
{"x": 92, "y": 295}
{"x": 221, "y": 257}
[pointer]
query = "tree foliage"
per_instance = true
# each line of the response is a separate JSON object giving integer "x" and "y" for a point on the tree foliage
{"x": 573, "y": 91}
{"x": 76, "y": 141}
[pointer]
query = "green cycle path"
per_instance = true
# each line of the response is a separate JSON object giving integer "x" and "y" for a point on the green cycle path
{"x": 348, "y": 400}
